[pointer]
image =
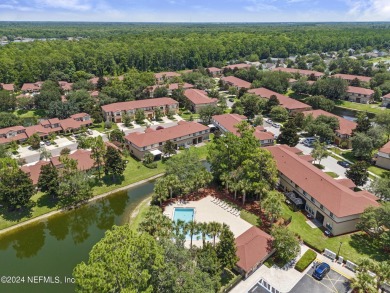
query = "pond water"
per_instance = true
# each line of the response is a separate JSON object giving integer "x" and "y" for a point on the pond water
{"x": 52, "y": 248}
{"x": 349, "y": 113}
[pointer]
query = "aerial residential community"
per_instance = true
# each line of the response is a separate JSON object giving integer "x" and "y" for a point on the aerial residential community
{"x": 194, "y": 156}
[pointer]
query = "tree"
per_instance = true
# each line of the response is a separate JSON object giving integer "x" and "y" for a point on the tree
{"x": 126, "y": 119}
{"x": 214, "y": 229}
{"x": 49, "y": 180}
{"x": 101, "y": 83}
{"x": 160, "y": 92}
{"x": 8, "y": 120}
{"x": 319, "y": 151}
{"x": 273, "y": 101}
{"x": 362, "y": 146}
{"x": 148, "y": 158}
{"x": 258, "y": 121}
{"x": 169, "y": 148}
{"x": 65, "y": 151}
{"x": 381, "y": 188}
{"x": 363, "y": 123}
{"x": 251, "y": 105}
{"x": 358, "y": 173}
{"x": 207, "y": 112}
{"x": 98, "y": 151}
{"x": 278, "y": 113}
{"x": 193, "y": 229}
{"x": 364, "y": 283}
{"x": 45, "y": 154}
{"x": 7, "y": 101}
{"x": 273, "y": 205}
{"x": 383, "y": 120}
{"x": 122, "y": 261}
{"x": 373, "y": 220}
{"x": 289, "y": 134}
{"x": 226, "y": 248}
{"x": 139, "y": 116}
{"x": 155, "y": 223}
{"x": 34, "y": 140}
{"x": 74, "y": 189}
{"x": 158, "y": 114}
{"x": 208, "y": 261}
{"x": 161, "y": 191}
{"x": 97, "y": 115}
{"x": 377, "y": 135}
{"x": 320, "y": 102}
{"x": 377, "y": 94}
{"x": 172, "y": 182}
{"x": 113, "y": 163}
{"x": 286, "y": 244}
{"x": 332, "y": 88}
{"x": 117, "y": 135}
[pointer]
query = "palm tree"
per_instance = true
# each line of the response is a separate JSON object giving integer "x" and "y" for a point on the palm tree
{"x": 273, "y": 205}
{"x": 214, "y": 230}
{"x": 382, "y": 271}
{"x": 193, "y": 229}
{"x": 45, "y": 154}
{"x": 161, "y": 190}
{"x": 226, "y": 178}
{"x": 244, "y": 187}
{"x": 171, "y": 182}
{"x": 363, "y": 283}
{"x": 179, "y": 230}
{"x": 204, "y": 229}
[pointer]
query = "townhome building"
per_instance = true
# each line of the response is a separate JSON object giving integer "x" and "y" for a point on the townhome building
{"x": 113, "y": 112}
{"x": 386, "y": 100}
{"x": 383, "y": 157}
{"x": 14, "y": 133}
{"x": 32, "y": 88}
{"x": 237, "y": 66}
{"x": 360, "y": 95}
{"x": 238, "y": 83}
{"x": 214, "y": 71}
{"x": 163, "y": 77}
{"x": 308, "y": 73}
{"x": 228, "y": 123}
{"x": 170, "y": 88}
{"x": 291, "y": 105}
{"x": 7, "y": 87}
{"x": 346, "y": 127}
{"x": 183, "y": 135}
{"x": 332, "y": 204}
{"x": 350, "y": 77}
{"x": 199, "y": 99}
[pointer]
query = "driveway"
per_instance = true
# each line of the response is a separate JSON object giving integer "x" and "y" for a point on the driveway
{"x": 270, "y": 128}
{"x": 329, "y": 163}
{"x": 332, "y": 283}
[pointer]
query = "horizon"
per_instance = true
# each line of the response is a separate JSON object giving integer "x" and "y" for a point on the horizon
{"x": 184, "y": 11}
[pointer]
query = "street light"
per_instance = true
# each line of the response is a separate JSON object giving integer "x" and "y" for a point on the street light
{"x": 338, "y": 253}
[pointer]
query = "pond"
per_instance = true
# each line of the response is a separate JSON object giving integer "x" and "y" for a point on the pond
{"x": 349, "y": 114}
{"x": 52, "y": 248}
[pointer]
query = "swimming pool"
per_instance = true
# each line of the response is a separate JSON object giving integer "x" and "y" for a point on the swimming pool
{"x": 184, "y": 214}
{"x": 187, "y": 215}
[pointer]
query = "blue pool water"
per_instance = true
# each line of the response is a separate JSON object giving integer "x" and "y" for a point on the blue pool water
{"x": 184, "y": 214}
{"x": 187, "y": 215}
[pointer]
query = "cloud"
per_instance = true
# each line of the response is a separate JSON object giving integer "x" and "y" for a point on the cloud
{"x": 78, "y": 5}
{"x": 369, "y": 10}
{"x": 260, "y": 5}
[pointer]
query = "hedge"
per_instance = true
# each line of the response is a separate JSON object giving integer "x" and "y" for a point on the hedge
{"x": 308, "y": 257}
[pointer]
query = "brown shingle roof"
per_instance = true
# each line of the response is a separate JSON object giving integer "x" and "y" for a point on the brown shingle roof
{"x": 238, "y": 66}
{"x": 346, "y": 182}
{"x": 199, "y": 97}
{"x": 252, "y": 248}
{"x": 8, "y": 86}
{"x": 236, "y": 82}
{"x": 338, "y": 199}
{"x": 286, "y": 102}
{"x": 166, "y": 74}
{"x": 350, "y": 77}
{"x": 173, "y": 86}
{"x": 214, "y": 69}
{"x": 228, "y": 121}
{"x": 131, "y": 105}
{"x": 83, "y": 158}
{"x": 360, "y": 90}
{"x": 154, "y": 137}
{"x": 386, "y": 148}
{"x": 345, "y": 126}
{"x": 34, "y": 171}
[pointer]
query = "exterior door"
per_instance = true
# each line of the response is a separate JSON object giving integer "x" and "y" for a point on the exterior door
{"x": 320, "y": 217}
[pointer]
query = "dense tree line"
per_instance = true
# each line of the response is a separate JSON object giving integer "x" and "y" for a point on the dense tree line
{"x": 112, "y": 49}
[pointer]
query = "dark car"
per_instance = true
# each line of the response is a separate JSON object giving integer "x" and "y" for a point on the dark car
{"x": 321, "y": 271}
{"x": 344, "y": 164}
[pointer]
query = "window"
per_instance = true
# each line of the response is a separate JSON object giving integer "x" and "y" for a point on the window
{"x": 296, "y": 186}
{"x": 331, "y": 215}
{"x": 321, "y": 207}
{"x": 160, "y": 143}
{"x": 312, "y": 199}
{"x": 328, "y": 226}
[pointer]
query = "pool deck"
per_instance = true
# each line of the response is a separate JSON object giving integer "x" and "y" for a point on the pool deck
{"x": 207, "y": 211}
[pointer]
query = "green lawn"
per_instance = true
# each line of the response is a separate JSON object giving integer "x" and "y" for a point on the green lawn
{"x": 100, "y": 127}
{"x": 37, "y": 113}
{"x": 355, "y": 246}
{"x": 187, "y": 116}
{"x": 372, "y": 108}
{"x": 250, "y": 218}
{"x": 332, "y": 174}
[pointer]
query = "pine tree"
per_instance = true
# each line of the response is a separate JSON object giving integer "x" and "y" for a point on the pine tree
{"x": 226, "y": 248}
{"x": 49, "y": 180}
{"x": 113, "y": 163}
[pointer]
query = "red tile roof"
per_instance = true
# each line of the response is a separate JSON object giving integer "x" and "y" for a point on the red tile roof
{"x": 238, "y": 66}
{"x": 66, "y": 86}
{"x": 154, "y": 137}
{"x": 360, "y": 90}
{"x": 70, "y": 123}
{"x": 166, "y": 74}
{"x": 286, "y": 102}
{"x": 346, "y": 182}
{"x": 386, "y": 148}
{"x": 17, "y": 137}
{"x": 350, "y": 77}
{"x": 236, "y": 82}
{"x": 345, "y": 126}
{"x": 386, "y": 96}
{"x": 337, "y": 198}
{"x": 252, "y": 248}
{"x": 8, "y": 86}
{"x": 83, "y": 158}
{"x": 39, "y": 129}
{"x": 132, "y": 105}
{"x": 79, "y": 115}
{"x": 199, "y": 97}
{"x": 214, "y": 69}
{"x": 173, "y": 86}
{"x": 34, "y": 170}
{"x": 263, "y": 135}
{"x": 228, "y": 121}
{"x": 300, "y": 71}
{"x": 31, "y": 86}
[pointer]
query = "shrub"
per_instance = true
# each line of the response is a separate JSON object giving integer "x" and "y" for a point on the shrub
{"x": 307, "y": 258}
{"x": 152, "y": 165}
{"x": 108, "y": 125}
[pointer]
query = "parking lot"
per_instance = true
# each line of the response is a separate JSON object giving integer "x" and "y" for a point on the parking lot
{"x": 333, "y": 282}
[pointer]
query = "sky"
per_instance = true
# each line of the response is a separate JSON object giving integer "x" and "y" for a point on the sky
{"x": 195, "y": 11}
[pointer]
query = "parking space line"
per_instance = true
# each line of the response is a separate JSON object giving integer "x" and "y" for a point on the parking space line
{"x": 323, "y": 284}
